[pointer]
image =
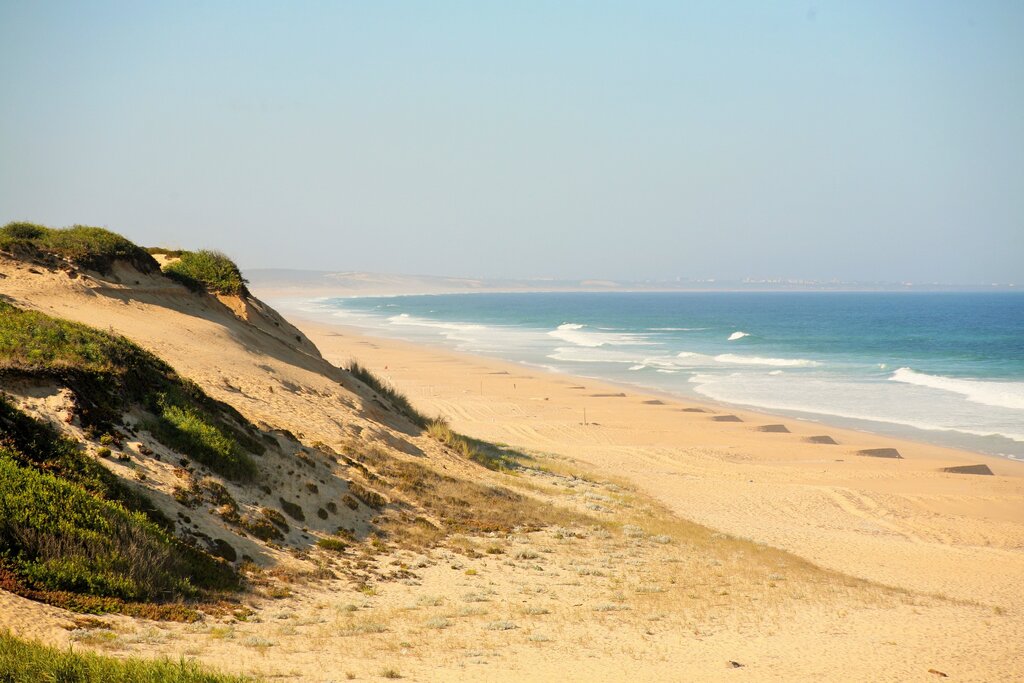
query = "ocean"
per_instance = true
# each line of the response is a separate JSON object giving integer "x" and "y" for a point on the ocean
{"x": 942, "y": 368}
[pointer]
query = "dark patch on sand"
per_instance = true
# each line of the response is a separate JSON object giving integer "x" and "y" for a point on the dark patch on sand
{"x": 726, "y": 418}
{"x": 824, "y": 439}
{"x": 968, "y": 469}
{"x": 774, "y": 429}
{"x": 654, "y": 402}
{"x": 695, "y": 410}
{"x": 608, "y": 396}
{"x": 881, "y": 453}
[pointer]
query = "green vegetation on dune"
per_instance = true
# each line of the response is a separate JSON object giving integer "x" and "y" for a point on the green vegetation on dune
{"x": 69, "y": 537}
{"x": 56, "y": 537}
{"x": 89, "y": 247}
{"x": 23, "y": 661}
{"x": 108, "y": 374}
{"x": 206, "y": 270}
{"x": 489, "y": 455}
{"x": 32, "y": 443}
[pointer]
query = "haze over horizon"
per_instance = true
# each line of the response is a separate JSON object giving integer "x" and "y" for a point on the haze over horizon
{"x": 858, "y": 142}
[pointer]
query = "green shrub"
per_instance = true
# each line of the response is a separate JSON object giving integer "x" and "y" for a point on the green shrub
{"x": 108, "y": 374}
{"x": 57, "y": 537}
{"x": 334, "y": 544}
{"x": 35, "y": 444}
{"x": 89, "y": 247}
{"x": 23, "y": 231}
{"x": 397, "y": 399}
{"x": 189, "y": 430}
{"x": 23, "y": 661}
{"x": 209, "y": 270}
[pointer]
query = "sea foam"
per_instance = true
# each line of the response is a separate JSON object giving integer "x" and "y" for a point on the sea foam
{"x": 734, "y": 359}
{"x": 738, "y": 335}
{"x": 997, "y": 394}
{"x": 412, "y": 321}
{"x": 577, "y": 334}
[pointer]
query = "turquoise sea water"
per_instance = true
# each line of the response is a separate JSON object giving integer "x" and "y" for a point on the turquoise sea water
{"x": 946, "y": 368}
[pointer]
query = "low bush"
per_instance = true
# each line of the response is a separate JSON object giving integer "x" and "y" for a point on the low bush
{"x": 207, "y": 270}
{"x": 56, "y": 537}
{"x": 333, "y": 544}
{"x": 35, "y": 444}
{"x": 89, "y": 247}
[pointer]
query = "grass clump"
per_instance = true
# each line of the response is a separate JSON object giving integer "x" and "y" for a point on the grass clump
{"x": 108, "y": 374}
{"x": 23, "y": 661}
{"x": 63, "y": 545}
{"x": 89, "y": 247}
{"x": 207, "y": 270}
{"x": 72, "y": 534}
{"x": 483, "y": 453}
{"x": 334, "y": 544}
{"x": 395, "y": 397}
{"x": 187, "y": 428}
{"x": 31, "y": 443}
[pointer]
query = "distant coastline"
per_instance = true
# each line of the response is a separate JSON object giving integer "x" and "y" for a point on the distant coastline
{"x": 283, "y": 282}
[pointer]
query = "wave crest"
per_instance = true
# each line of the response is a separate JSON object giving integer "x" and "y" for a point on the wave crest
{"x": 739, "y": 334}
{"x": 578, "y": 335}
{"x": 733, "y": 359}
{"x": 996, "y": 394}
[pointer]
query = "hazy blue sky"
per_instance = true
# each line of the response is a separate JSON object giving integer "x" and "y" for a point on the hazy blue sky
{"x": 859, "y": 140}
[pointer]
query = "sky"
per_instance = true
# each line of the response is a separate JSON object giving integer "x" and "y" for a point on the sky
{"x": 859, "y": 141}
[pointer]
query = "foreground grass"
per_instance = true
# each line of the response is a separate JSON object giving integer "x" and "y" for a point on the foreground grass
{"x": 207, "y": 270}
{"x": 23, "y": 661}
{"x": 93, "y": 248}
{"x": 108, "y": 374}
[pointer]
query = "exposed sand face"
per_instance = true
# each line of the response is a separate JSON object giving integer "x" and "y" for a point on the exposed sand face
{"x": 636, "y": 595}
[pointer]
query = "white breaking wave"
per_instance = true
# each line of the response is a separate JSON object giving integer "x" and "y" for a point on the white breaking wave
{"x": 410, "y": 321}
{"x": 576, "y": 354}
{"x": 998, "y": 394}
{"x": 733, "y": 359}
{"x": 738, "y": 335}
{"x": 578, "y": 335}
{"x": 676, "y": 329}
{"x": 860, "y": 400}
